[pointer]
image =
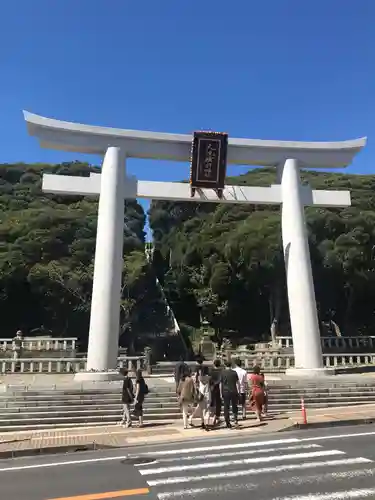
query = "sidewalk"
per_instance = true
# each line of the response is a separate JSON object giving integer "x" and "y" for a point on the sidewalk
{"x": 99, "y": 437}
{"x": 331, "y": 417}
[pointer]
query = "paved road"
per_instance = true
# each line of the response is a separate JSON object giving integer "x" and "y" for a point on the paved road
{"x": 326, "y": 465}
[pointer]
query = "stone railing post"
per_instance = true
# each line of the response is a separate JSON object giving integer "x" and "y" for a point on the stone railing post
{"x": 147, "y": 354}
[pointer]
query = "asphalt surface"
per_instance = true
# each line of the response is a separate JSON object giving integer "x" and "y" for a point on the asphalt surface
{"x": 330, "y": 464}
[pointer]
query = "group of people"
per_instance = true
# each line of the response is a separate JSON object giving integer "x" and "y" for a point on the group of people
{"x": 205, "y": 392}
{"x": 131, "y": 395}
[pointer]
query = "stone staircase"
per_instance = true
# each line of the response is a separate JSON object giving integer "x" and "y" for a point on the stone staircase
{"x": 69, "y": 407}
{"x": 44, "y": 409}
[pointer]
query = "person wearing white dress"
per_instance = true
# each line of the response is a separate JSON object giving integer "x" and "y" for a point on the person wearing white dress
{"x": 203, "y": 399}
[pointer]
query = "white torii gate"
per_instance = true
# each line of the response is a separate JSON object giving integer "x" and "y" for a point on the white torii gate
{"x": 113, "y": 187}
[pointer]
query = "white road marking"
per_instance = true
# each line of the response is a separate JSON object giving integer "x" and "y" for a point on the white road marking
{"x": 237, "y": 453}
{"x": 59, "y": 464}
{"x": 235, "y": 446}
{"x": 324, "y": 478}
{"x": 225, "y": 488}
{"x": 244, "y": 461}
{"x": 230, "y": 488}
{"x": 232, "y": 446}
{"x": 336, "y": 495}
{"x": 264, "y": 470}
{"x": 338, "y": 436}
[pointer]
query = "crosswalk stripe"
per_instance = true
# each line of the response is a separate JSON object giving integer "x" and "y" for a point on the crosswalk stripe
{"x": 225, "y": 488}
{"x": 232, "y": 446}
{"x": 264, "y": 470}
{"x": 244, "y": 461}
{"x": 237, "y": 453}
{"x": 338, "y": 436}
{"x": 297, "y": 480}
{"x": 336, "y": 495}
{"x": 330, "y": 476}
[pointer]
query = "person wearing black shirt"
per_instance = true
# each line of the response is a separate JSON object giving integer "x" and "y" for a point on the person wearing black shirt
{"x": 198, "y": 367}
{"x": 215, "y": 390}
{"x": 229, "y": 389}
{"x": 127, "y": 398}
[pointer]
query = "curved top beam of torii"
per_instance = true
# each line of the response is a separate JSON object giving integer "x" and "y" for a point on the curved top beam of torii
{"x": 68, "y": 136}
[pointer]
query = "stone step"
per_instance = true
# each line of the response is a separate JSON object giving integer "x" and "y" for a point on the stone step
{"x": 166, "y": 398}
{"x": 85, "y": 419}
{"x": 80, "y": 412}
{"x": 318, "y": 397}
{"x": 166, "y": 402}
{"x": 59, "y": 406}
{"x": 163, "y": 391}
{"x": 167, "y": 393}
{"x": 168, "y": 390}
{"x": 339, "y": 387}
{"x": 169, "y": 398}
{"x": 77, "y": 394}
{"x": 297, "y": 406}
{"x": 331, "y": 394}
{"x": 67, "y": 410}
{"x": 155, "y": 384}
{"x": 306, "y": 385}
{"x": 156, "y": 407}
{"x": 78, "y": 400}
{"x": 90, "y": 402}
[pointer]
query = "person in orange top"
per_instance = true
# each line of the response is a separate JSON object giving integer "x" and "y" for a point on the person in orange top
{"x": 257, "y": 392}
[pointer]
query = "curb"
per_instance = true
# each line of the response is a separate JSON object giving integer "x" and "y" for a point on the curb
{"x": 53, "y": 450}
{"x": 332, "y": 423}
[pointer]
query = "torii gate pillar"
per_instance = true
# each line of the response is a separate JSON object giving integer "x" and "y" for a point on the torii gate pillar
{"x": 308, "y": 357}
{"x": 106, "y": 290}
{"x": 112, "y": 187}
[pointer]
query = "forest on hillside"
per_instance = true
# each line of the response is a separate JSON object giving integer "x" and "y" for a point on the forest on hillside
{"x": 226, "y": 262}
{"x": 47, "y": 246}
{"x": 217, "y": 263}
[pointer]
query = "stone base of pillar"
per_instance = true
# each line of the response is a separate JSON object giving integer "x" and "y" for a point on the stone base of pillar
{"x": 98, "y": 376}
{"x": 310, "y": 372}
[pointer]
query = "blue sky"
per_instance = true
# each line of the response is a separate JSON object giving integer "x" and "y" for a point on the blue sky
{"x": 270, "y": 69}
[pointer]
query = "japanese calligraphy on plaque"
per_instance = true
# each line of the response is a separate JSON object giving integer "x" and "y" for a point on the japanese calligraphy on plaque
{"x": 208, "y": 161}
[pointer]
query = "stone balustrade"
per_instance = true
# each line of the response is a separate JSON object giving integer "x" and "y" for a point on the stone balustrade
{"x": 42, "y": 344}
{"x": 281, "y": 362}
{"x": 342, "y": 343}
{"x": 268, "y": 362}
{"x": 65, "y": 365}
